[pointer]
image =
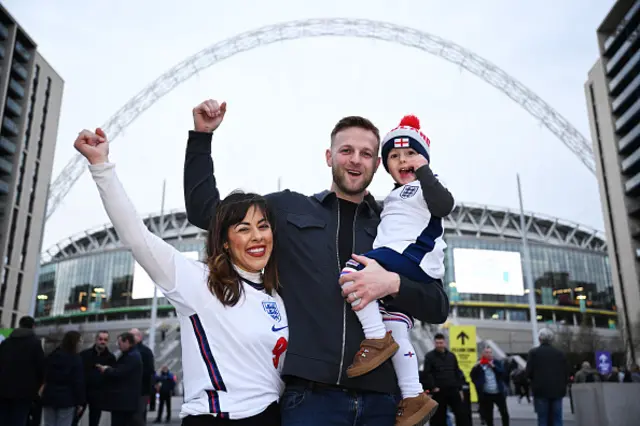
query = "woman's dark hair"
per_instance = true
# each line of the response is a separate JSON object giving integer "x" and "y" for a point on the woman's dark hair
{"x": 224, "y": 281}
{"x": 71, "y": 342}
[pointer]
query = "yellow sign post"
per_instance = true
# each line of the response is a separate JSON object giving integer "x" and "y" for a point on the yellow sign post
{"x": 462, "y": 342}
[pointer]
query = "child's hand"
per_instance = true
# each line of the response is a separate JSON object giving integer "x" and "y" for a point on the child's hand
{"x": 417, "y": 161}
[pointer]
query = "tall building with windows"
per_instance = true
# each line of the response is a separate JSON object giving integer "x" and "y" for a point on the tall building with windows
{"x": 613, "y": 100}
{"x": 30, "y": 98}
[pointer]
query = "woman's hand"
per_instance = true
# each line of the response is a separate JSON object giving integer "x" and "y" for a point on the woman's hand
{"x": 93, "y": 146}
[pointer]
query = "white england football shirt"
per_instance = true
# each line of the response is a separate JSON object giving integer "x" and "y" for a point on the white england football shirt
{"x": 407, "y": 227}
{"x": 231, "y": 356}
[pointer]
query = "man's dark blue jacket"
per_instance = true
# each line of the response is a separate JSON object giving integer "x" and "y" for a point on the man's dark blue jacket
{"x": 324, "y": 333}
{"x": 478, "y": 377}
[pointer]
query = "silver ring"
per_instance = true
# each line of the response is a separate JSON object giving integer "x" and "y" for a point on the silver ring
{"x": 353, "y": 294}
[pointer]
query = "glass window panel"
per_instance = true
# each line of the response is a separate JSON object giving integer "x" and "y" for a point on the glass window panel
{"x": 518, "y": 315}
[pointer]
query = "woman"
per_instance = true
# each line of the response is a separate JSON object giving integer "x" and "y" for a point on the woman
{"x": 63, "y": 391}
{"x": 234, "y": 326}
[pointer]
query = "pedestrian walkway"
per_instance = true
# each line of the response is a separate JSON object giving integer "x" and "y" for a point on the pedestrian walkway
{"x": 176, "y": 402}
{"x": 521, "y": 414}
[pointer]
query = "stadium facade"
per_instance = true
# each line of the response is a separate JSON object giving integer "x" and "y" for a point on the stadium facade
{"x": 92, "y": 278}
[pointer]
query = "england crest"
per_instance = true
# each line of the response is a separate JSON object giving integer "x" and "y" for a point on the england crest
{"x": 408, "y": 191}
{"x": 272, "y": 309}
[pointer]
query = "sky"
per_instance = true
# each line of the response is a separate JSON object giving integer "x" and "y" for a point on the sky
{"x": 284, "y": 98}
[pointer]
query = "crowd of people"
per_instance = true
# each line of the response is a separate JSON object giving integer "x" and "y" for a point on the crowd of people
{"x": 62, "y": 387}
{"x": 547, "y": 374}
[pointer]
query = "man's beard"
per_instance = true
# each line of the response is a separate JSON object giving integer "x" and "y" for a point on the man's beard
{"x": 340, "y": 179}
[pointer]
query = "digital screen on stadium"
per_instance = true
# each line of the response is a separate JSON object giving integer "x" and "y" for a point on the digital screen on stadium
{"x": 142, "y": 284}
{"x": 488, "y": 272}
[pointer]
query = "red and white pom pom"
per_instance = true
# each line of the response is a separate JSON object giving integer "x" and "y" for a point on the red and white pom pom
{"x": 410, "y": 121}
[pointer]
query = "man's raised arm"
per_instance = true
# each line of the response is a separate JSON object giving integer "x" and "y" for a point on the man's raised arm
{"x": 201, "y": 195}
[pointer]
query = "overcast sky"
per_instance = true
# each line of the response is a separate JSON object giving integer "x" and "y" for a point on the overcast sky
{"x": 284, "y": 98}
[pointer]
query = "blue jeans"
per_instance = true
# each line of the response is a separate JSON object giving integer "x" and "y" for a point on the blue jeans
{"x": 302, "y": 406}
{"x": 549, "y": 411}
{"x": 58, "y": 416}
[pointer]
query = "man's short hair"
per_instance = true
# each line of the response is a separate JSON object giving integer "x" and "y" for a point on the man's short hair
{"x": 102, "y": 332}
{"x": 27, "y": 322}
{"x": 438, "y": 336}
{"x": 127, "y": 337}
{"x": 354, "y": 121}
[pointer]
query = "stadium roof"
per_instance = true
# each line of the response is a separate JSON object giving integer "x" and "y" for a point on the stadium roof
{"x": 475, "y": 220}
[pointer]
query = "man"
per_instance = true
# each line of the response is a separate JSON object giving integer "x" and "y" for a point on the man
{"x": 521, "y": 384}
{"x": 316, "y": 236}
{"x": 98, "y": 354}
{"x": 166, "y": 383}
{"x": 489, "y": 377}
{"x": 444, "y": 380}
{"x": 148, "y": 372}
{"x": 587, "y": 374}
{"x": 122, "y": 384}
{"x": 21, "y": 373}
{"x": 548, "y": 371}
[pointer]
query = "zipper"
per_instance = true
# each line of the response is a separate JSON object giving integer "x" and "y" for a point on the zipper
{"x": 344, "y": 309}
{"x": 344, "y": 305}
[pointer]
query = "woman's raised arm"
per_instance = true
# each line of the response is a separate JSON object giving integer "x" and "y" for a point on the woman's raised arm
{"x": 155, "y": 256}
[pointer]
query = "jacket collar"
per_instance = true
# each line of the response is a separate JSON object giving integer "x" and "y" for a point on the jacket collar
{"x": 105, "y": 351}
{"x": 369, "y": 201}
{"x": 22, "y": 332}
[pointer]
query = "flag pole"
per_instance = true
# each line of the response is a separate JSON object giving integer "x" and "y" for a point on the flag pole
{"x": 527, "y": 270}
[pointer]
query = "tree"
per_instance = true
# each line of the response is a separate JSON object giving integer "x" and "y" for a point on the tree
{"x": 565, "y": 339}
{"x": 587, "y": 338}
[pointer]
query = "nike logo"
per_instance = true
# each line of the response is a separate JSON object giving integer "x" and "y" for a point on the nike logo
{"x": 275, "y": 329}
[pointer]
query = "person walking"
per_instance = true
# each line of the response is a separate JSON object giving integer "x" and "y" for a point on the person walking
{"x": 21, "y": 373}
{"x": 97, "y": 354}
{"x": 489, "y": 378}
{"x": 443, "y": 379}
{"x": 234, "y": 327}
{"x": 165, "y": 385}
{"x": 521, "y": 384}
{"x": 148, "y": 372}
{"x": 318, "y": 235}
{"x": 122, "y": 384}
{"x": 63, "y": 393}
{"x": 548, "y": 371}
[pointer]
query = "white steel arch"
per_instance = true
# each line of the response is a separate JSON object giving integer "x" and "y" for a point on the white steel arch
{"x": 359, "y": 28}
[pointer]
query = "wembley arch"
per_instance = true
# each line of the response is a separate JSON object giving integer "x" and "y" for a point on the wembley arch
{"x": 358, "y": 28}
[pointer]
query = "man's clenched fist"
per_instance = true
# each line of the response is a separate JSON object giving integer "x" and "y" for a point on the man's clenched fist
{"x": 93, "y": 146}
{"x": 208, "y": 116}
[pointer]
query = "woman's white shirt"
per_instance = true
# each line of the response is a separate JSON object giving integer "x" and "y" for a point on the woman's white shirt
{"x": 231, "y": 356}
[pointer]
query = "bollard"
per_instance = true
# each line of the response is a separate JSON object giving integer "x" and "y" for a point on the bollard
{"x": 571, "y": 400}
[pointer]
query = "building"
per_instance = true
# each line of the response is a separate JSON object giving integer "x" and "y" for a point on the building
{"x": 90, "y": 278}
{"x": 30, "y": 94}
{"x": 613, "y": 100}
